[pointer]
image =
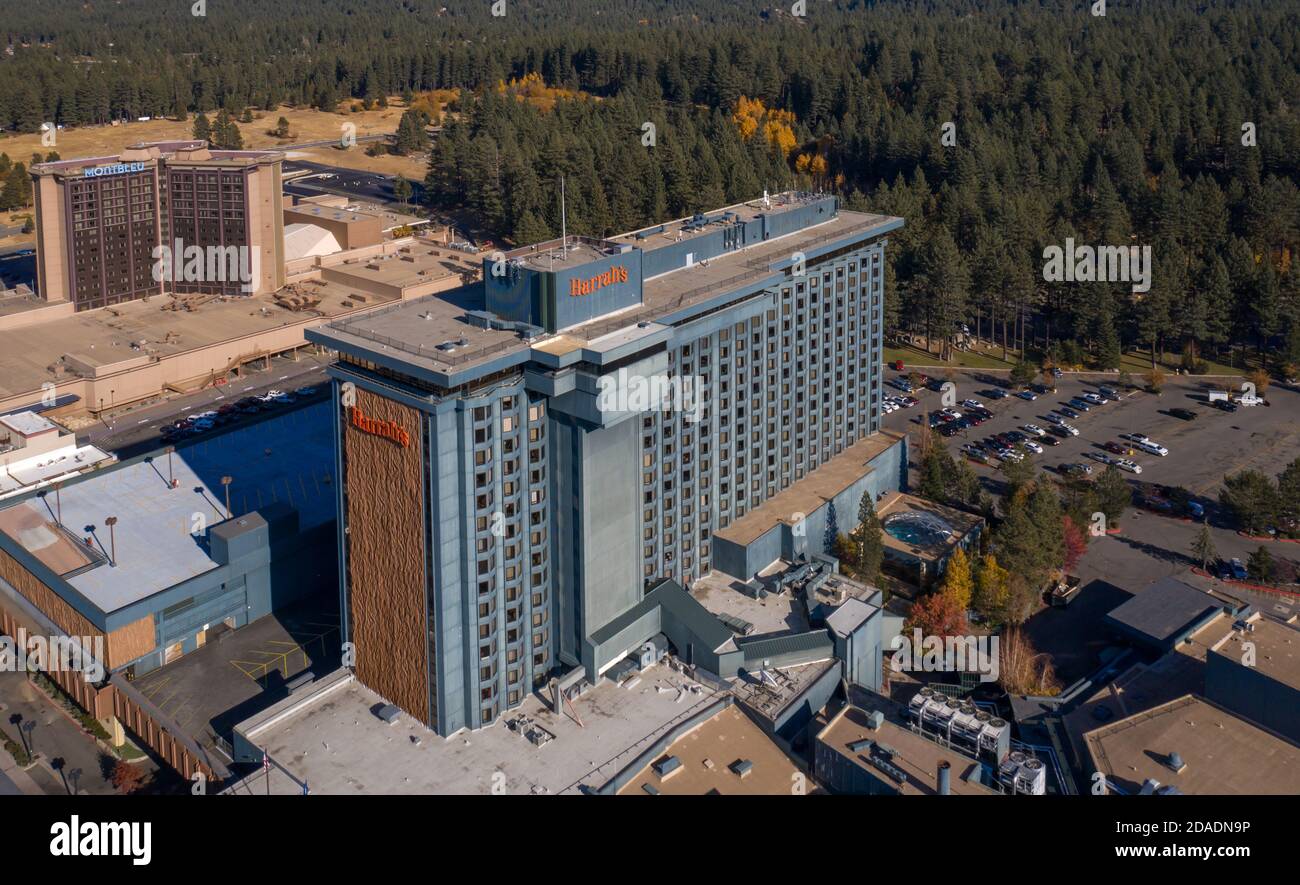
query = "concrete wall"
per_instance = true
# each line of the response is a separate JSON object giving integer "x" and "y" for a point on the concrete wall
{"x": 1252, "y": 694}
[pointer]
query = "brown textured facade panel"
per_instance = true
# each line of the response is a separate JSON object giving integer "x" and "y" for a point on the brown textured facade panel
{"x": 386, "y": 569}
{"x": 34, "y": 591}
{"x": 134, "y": 640}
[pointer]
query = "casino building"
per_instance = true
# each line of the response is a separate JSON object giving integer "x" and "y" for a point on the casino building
{"x": 99, "y": 220}
{"x": 504, "y": 518}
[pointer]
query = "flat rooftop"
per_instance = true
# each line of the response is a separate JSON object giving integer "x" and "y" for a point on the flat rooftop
{"x": 656, "y": 235}
{"x": 1143, "y": 686}
{"x": 34, "y": 470}
{"x": 1224, "y": 754}
{"x": 707, "y": 753}
{"x": 1277, "y": 649}
{"x": 155, "y": 549}
{"x": 27, "y": 423}
{"x": 813, "y": 491}
{"x": 1165, "y": 610}
{"x": 918, "y": 757}
{"x": 106, "y": 336}
{"x": 770, "y": 699}
{"x": 720, "y": 594}
{"x": 286, "y": 458}
{"x": 414, "y": 329}
{"x": 338, "y": 745}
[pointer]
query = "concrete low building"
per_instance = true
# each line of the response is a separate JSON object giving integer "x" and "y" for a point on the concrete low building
{"x": 1193, "y": 746}
{"x": 143, "y": 563}
{"x": 36, "y": 453}
{"x": 864, "y": 752}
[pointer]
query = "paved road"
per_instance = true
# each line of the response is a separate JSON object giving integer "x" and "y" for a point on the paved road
{"x": 330, "y": 142}
{"x": 56, "y": 737}
{"x": 134, "y": 432}
{"x": 373, "y": 186}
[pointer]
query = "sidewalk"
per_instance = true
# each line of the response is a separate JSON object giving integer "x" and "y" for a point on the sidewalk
{"x": 57, "y": 740}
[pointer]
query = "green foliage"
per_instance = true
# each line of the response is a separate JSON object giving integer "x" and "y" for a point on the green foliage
{"x": 1203, "y": 549}
{"x": 1113, "y": 495}
{"x": 1058, "y": 136}
{"x": 1260, "y": 566}
{"x": 871, "y": 542}
{"x": 1251, "y": 501}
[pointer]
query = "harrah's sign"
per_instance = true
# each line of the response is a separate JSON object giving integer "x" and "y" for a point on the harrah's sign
{"x": 617, "y": 274}
{"x": 387, "y": 429}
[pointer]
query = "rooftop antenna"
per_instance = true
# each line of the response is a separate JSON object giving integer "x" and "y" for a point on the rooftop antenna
{"x": 564, "y": 228}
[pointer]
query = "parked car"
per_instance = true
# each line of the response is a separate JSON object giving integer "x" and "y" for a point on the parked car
{"x": 1054, "y": 418}
{"x": 1108, "y": 392}
{"x": 1034, "y": 430}
{"x": 1153, "y": 502}
{"x": 1027, "y": 395}
{"x": 1115, "y": 448}
{"x": 1225, "y": 405}
{"x": 1238, "y": 570}
{"x": 1080, "y": 405}
{"x": 1151, "y": 447}
{"x": 1099, "y": 456}
{"x": 1184, "y": 414}
{"x": 1076, "y": 470}
{"x": 1068, "y": 412}
{"x": 1127, "y": 465}
{"x": 1033, "y": 446}
{"x": 994, "y": 393}
{"x": 1049, "y": 440}
{"x": 972, "y": 404}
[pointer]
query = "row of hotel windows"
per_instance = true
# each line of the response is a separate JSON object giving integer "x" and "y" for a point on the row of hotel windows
{"x": 506, "y": 420}
{"x": 808, "y": 454}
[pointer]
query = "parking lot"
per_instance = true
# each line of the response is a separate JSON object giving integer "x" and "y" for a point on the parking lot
{"x": 1202, "y": 451}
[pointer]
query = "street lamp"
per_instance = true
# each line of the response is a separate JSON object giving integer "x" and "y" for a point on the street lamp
{"x": 226, "y": 481}
{"x": 112, "y": 540}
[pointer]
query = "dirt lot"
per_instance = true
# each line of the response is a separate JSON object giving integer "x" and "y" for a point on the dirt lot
{"x": 304, "y": 125}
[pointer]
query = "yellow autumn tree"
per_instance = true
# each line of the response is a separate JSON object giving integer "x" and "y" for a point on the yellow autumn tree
{"x": 957, "y": 582}
{"x": 992, "y": 588}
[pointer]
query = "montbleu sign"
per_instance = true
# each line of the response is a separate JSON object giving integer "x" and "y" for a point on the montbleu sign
{"x": 114, "y": 169}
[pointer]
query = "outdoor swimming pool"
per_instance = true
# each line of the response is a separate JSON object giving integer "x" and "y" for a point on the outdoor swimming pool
{"x": 921, "y": 529}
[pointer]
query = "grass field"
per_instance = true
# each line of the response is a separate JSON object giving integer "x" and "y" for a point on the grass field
{"x": 305, "y": 124}
{"x": 1139, "y": 362}
{"x": 915, "y": 356}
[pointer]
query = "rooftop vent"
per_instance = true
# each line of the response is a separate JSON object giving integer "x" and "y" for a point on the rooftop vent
{"x": 1175, "y": 762}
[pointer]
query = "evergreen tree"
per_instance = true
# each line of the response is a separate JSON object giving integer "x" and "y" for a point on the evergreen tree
{"x": 1203, "y": 550}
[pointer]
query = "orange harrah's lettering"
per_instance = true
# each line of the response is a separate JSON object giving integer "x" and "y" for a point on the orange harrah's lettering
{"x": 387, "y": 429}
{"x": 599, "y": 281}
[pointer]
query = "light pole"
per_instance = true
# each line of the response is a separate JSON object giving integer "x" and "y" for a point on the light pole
{"x": 226, "y": 481}
{"x": 112, "y": 539}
